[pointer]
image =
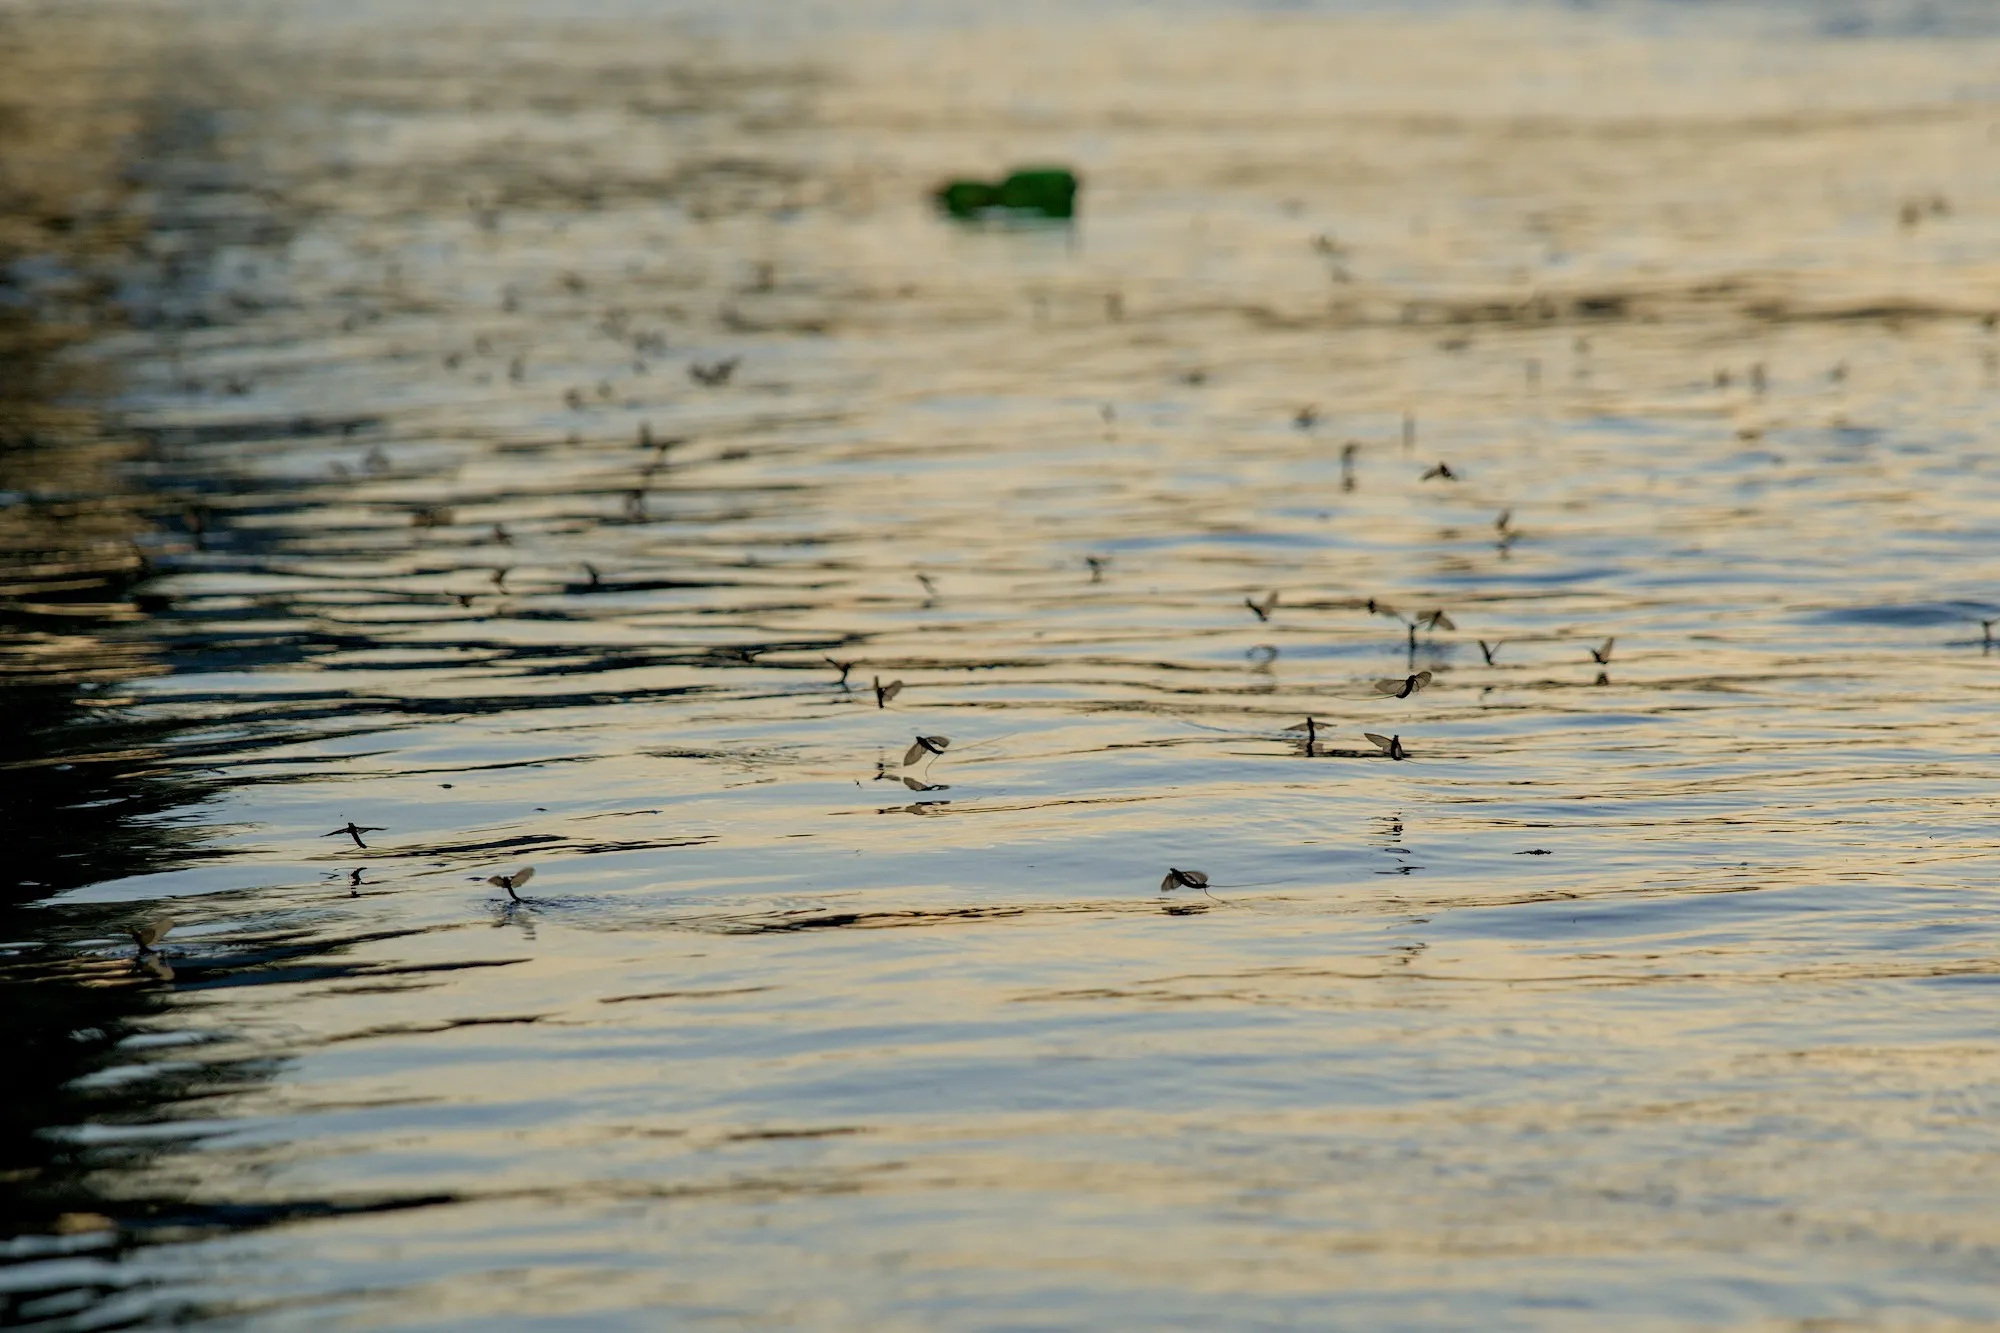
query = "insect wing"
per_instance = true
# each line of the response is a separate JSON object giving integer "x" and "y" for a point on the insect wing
{"x": 1383, "y": 743}
{"x": 153, "y": 932}
{"x": 914, "y": 753}
{"x": 521, "y": 876}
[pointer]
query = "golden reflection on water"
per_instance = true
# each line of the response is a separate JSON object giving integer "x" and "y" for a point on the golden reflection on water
{"x": 1647, "y": 988}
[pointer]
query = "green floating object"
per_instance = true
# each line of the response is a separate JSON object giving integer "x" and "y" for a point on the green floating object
{"x": 1033, "y": 192}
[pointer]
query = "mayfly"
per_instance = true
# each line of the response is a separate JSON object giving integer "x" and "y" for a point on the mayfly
{"x": 884, "y": 694}
{"x": 1441, "y": 471}
{"x": 930, "y": 585}
{"x": 918, "y": 784}
{"x": 148, "y": 936}
{"x": 925, "y": 745}
{"x": 715, "y": 374}
{"x": 1311, "y": 729}
{"x": 1506, "y": 517}
{"x": 1306, "y": 417}
{"x": 1487, "y": 650}
{"x": 1602, "y": 656}
{"x": 1183, "y": 879}
{"x": 1435, "y": 620}
{"x": 1097, "y": 565}
{"x": 512, "y": 882}
{"x": 354, "y": 831}
{"x": 1389, "y": 745}
{"x": 1376, "y": 608}
{"x": 842, "y": 667}
{"x": 1405, "y": 687}
{"x": 1264, "y": 608}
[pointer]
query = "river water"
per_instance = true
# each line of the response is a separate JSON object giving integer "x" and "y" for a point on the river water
{"x": 1650, "y": 991}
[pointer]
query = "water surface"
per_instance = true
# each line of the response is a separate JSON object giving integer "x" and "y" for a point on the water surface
{"x": 1650, "y": 989}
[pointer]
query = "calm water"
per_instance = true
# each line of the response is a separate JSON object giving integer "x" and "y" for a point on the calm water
{"x": 1655, "y": 992}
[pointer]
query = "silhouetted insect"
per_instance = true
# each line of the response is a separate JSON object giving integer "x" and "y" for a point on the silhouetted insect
{"x": 1307, "y": 417}
{"x": 1986, "y": 632}
{"x": 1603, "y": 655}
{"x": 925, "y": 745}
{"x": 148, "y": 936}
{"x": 354, "y": 882}
{"x": 1183, "y": 879}
{"x": 1376, "y": 608}
{"x": 513, "y": 881}
{"x": 1536, "y": 851}
{"x": 1405, "y": 687}
{"x": 1264, "y": 608}
{"x": 354, "y": 831}
{"x": 1500, "y": 523}
{"x": 714, "y": 374}
{"x": 1435, "y": 620}
{"x": 842, "y": 667}
{"x": 1097, "y": 565}
{"x": 1389, "y": 745}
{"x": 465, "y": 598}
{"x": 930, "y": 585}
{"x": 1311, "y": 729}
{"x": 500, "y": 577}
{"x": 916, "y": 784}
{"x": 1441, "y": 470}
{"x": 885, "y": 693}
{"x": 590, "y": 570}
{"x": 1488, "y": 649}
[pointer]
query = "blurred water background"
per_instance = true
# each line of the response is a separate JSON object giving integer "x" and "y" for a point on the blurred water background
{"x": 352, "y": 472}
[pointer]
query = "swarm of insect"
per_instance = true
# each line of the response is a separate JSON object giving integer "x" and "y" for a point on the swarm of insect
{"x": 512, "y": 882}
{"x": 1389, "y": 745}
{"x": 1183, "y": 879}
{"x": 1403, "y": 687}
{"x": 884, "y": 694}
{"x": 1262, "y": 610}
{"x": 925, "y": 745}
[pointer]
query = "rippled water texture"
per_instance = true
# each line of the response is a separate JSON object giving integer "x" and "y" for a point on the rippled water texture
{"x": 1645, "y": 992}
